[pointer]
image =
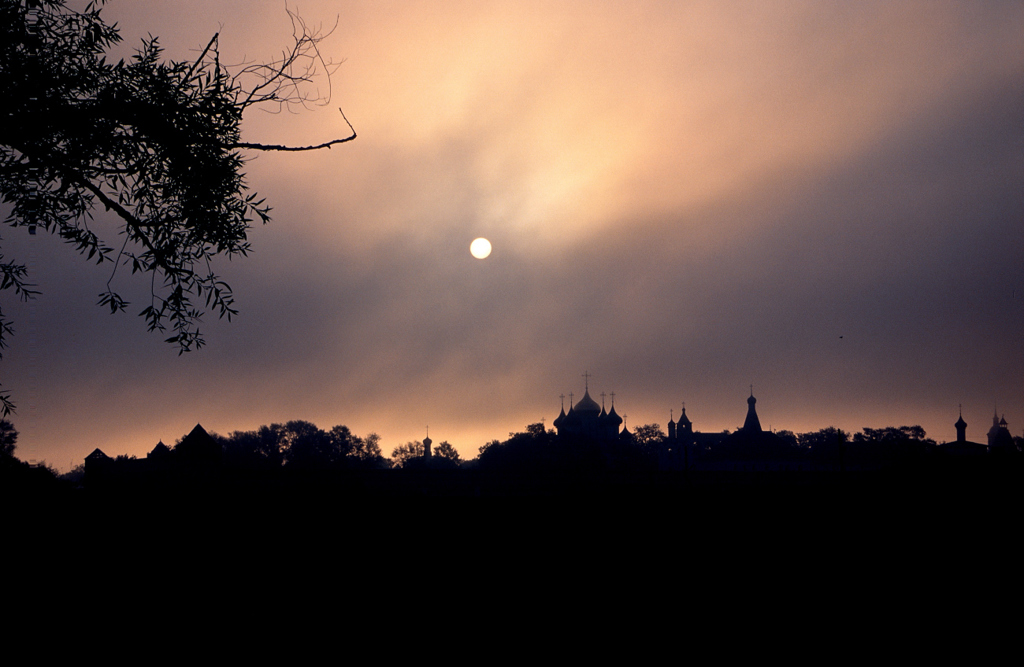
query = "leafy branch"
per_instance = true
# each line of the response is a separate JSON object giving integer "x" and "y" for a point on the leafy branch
{"x": 156, "y": 143}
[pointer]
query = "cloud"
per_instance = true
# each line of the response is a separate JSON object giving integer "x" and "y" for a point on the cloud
{"x": 821, "y": 199}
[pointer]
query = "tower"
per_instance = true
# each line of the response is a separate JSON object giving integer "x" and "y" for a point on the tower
{"x": 999, "y": 435}
{"x": 961, "y": 428}
{"x": 684, "y": 427}
{"x": 560, "y": 419}
{"x": 751, "y": 424}
{"x": 613, "y": 421}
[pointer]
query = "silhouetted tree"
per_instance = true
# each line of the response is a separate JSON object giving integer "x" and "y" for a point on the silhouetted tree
{"x": 892, "y": 444}
{"x": 8, "y": 438}
{"x": 484, "y": 447}
{"x": 893, "y": 434}
{"x": 17, "y": 475}
{"x": 826, "y": 437}
{"x": 365, "y": 453}
{"x": 789, "y": 438}
{"x": 259, "y": 449}
{"x": 306, "y": 446}
{"x": 156, "y": 143}
{"x": 648, "y": 435}
{"x": 825, "y": 445}
{"x": 302, "y": 445}
{"x": 75, "y": 476}
{"x": 535, "y": 430}
{"x": 446, "y": 451}
{"x": 536, "y": 450}
{"x": 403, "y": 454}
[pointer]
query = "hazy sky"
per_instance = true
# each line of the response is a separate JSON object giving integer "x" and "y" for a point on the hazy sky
{"x": 822, "y": 199}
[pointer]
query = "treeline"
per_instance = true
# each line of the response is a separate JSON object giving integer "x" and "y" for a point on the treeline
{"x": 282, "y": 451}
{"x": 302, "y": 445}
{"x": 648, "y": 448}
{"x": 17, "y": 476}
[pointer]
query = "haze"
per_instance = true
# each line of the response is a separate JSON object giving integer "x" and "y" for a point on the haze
{"x": 822, "y": 199}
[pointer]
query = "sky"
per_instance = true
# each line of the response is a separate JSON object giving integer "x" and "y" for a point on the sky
{"x": 824, "y": 200}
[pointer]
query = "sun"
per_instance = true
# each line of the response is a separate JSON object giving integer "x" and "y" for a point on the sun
{"x": 480, "y": 248}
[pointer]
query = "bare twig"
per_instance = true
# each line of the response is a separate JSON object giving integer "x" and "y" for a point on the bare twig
{"x": 278, "y": 147}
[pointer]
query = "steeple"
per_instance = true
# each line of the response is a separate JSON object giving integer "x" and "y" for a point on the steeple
{"x": 961, "y": 427}
{"x": 684, "y": 421}
{"x": 614, "y": 420}
{"x": 684, "y": 427}
{"x": 751, "y": 424}
{"x": 560, "y": 419}
{"x": 993, "y": 432}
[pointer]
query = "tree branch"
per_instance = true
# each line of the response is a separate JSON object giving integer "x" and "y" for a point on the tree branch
{"x": 124, "y": 214}
{"x": 276, "y": 147}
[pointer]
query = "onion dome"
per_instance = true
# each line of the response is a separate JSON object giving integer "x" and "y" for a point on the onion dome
{"x": 587, "y": 404}
{"x": 751, "y": 424}
{"x": 572, "y": 420}
{"x": 614, "y": 418}
{"x": 560, "y": 419}
{"x": 961, "y": 429}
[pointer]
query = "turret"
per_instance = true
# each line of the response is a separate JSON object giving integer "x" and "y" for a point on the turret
{"x": 961, "y": 428}
{"x": 684, "y": 425}
{"x": 560, "y": 419}
{"x": 751, "y": 424}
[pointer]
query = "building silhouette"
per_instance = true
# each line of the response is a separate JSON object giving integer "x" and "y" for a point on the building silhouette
{"x": 963, "y": 446}
{"x": 587, "y": 419}
{"x": 999, "y": 438}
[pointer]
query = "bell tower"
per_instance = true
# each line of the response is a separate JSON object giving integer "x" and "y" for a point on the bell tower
{"x": 751, "y": 424}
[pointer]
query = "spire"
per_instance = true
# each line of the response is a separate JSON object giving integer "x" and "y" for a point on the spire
{"x": 614, "y": 418}
{"x": 683, "y": 419}
{"x": 751, "y": 424}
{"x": 961, "y": 427}
{"x": 560, "y": 419}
